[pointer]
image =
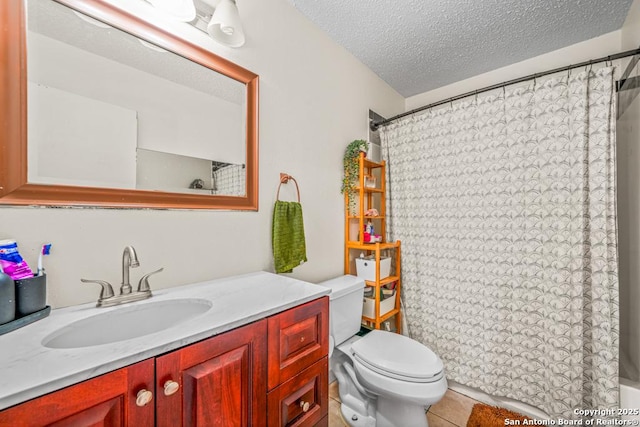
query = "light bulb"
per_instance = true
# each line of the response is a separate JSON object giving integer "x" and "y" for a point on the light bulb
{"x": 225, "y": 25}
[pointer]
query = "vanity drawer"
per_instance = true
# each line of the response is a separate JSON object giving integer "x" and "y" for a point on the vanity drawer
{"x": 301, "y": 401}
{"x": 297, "y": 338}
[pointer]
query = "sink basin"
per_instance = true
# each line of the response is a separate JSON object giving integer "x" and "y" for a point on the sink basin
{"x": 126, "y": 323}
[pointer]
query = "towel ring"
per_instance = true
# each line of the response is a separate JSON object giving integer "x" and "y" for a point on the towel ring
{"x": 284, "y": 179}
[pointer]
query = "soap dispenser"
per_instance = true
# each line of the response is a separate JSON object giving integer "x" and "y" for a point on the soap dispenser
{"x": 7, "y": 298}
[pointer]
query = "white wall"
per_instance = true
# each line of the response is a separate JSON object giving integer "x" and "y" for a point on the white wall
{"x": 314, "y": 100}
{"x": 595, "y": 48}
{"x": 631, "y": 28}
{"x": 161, "y": 126}
{"x": 170, "y": 172}
{"x": 629, "y": 212}
{"x": 75, "y": 140}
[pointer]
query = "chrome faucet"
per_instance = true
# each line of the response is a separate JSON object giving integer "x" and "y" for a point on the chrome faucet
{"x": 108, "y": 298}
{"x": 129, "y": 259}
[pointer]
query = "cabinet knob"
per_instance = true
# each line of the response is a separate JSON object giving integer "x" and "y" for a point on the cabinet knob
{"x": 143, "y": 397}
{"x": 170, "y": 387}
{"x": 305, "y": 406}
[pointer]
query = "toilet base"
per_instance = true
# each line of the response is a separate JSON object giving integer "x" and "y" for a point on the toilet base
{"x": 394, "y": 413}
{"x": 360, "y": 407}
{"x": 356, "y": 419}
{"x": 357, "y": 409}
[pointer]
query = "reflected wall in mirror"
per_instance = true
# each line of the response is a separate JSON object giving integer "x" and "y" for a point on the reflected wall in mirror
{"x": 158, "y": 169}
{"x": 134, "y": 118}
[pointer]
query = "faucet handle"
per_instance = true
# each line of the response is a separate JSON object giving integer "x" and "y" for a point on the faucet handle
{"x": 107, "y": 290}
{"x": 143, "y": 284}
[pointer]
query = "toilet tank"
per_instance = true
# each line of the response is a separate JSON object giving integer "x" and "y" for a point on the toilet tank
{"x": 345, "y": 306}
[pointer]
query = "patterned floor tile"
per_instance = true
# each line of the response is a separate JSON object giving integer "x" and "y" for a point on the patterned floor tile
{"x": 333, "y": 391}
{"x": 454, "y": 407}
{"x": 436, "y": 421}
{"x": 335, "y": 419}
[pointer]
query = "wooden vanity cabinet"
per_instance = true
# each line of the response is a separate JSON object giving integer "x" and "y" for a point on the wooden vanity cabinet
{"x": 107, "y": 400}
{"x": 273, "y": 372}
{"x": 220, "y": 381}
{"x": 298, "y": 366}
{"x": 302, "y": 400}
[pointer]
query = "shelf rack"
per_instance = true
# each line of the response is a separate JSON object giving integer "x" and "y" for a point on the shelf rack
{"x": 365, "y": 199}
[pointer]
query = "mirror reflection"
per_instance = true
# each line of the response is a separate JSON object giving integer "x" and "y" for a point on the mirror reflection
{"x": 106, "y": 109}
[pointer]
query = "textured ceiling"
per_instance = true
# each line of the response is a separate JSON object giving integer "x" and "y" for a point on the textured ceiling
{"x": 419, "y": 45}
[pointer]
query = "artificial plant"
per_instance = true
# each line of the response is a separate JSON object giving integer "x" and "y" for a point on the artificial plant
{"x": 351, "y": 166}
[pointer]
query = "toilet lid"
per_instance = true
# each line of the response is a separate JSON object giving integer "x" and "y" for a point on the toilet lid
{"x": 398, "y": 356}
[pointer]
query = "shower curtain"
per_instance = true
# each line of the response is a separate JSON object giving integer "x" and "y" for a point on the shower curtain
{"x": 505, "y": 206}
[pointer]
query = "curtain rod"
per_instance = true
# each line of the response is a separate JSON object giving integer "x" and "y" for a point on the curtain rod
{"x": 375, "y": 125}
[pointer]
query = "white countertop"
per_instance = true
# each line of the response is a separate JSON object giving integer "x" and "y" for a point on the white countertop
{"x": 28, "y": 369}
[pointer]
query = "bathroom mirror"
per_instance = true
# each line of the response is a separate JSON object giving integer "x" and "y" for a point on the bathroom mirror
{"x": 115, "y": 112}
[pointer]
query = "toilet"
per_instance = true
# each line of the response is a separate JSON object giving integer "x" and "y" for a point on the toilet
{"x": 384, "y": 379}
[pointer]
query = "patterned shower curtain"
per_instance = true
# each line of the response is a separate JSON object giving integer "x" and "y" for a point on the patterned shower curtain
{"x": 505, "y": 206}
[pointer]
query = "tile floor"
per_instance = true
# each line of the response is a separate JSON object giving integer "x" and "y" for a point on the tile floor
{"x": 453, "y": 410}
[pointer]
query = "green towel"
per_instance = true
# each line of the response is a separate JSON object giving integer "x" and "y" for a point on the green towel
{"x": 289, "y": 249}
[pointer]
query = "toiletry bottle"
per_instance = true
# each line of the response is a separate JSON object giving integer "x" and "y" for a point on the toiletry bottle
{"x": 7, "y": 299}
{"x": 11, "y": 261}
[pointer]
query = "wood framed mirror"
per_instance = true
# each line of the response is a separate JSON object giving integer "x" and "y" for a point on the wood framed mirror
{"x": 25, "y": 181}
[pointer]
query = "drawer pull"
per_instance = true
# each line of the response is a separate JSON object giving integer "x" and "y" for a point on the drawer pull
{"x": 170, "y": 387}
{"x": 143, "y": 397}
{"x": 305, "y": 406}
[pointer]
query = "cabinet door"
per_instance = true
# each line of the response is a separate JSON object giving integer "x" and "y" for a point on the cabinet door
{"x": 108, "y": 400}
{"x": 301, "y": 401}
{"x": 220, "y": 381}
{"x": 297, "y": 338}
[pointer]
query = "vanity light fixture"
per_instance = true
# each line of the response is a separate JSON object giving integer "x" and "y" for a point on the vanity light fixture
{"x": 219, "y": 18}
{"x": 225, "y": 26}
{"x": 182, "y": 10}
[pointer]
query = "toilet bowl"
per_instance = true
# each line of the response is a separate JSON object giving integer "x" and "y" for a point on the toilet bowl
{"x": 384, "y": 379}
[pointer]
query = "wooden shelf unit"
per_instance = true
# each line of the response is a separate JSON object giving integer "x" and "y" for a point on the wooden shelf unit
{"x": 365, "y": 199}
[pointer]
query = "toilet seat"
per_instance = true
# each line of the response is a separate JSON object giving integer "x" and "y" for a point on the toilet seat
{"x": 422, "y": 393}
{"x": 397, "y": 356}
